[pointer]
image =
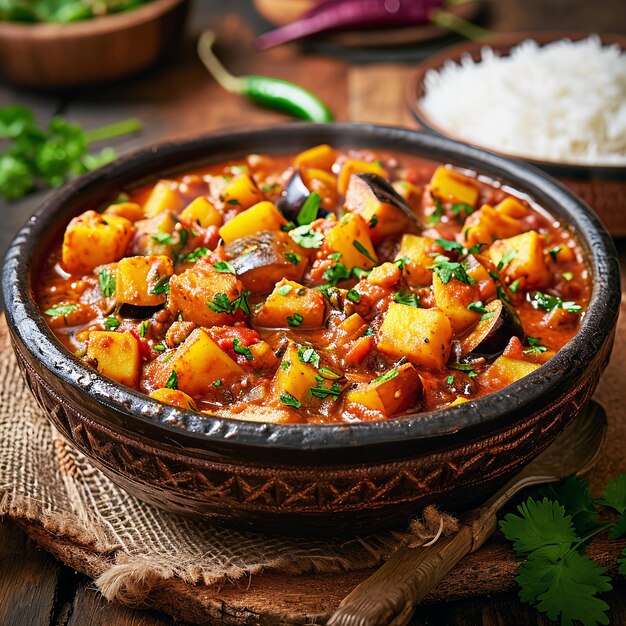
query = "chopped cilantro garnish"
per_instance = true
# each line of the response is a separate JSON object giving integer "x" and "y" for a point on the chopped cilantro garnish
{"x": 172, "y": 381}
{"x": 567, "y": 275}
{"x": 462, "y": 210}
{"x": 373, "y": 221}
{"x": 323, "y": 392}
{"x": 284, "y": 290}
{"x": 309, "y": 209}
{"x": 60, "y": 309}
{"x": 535, "y": 350}
{"x": 448, "y": 245}
{"x": 194, "y": 255}
{"x": 217, "y": 383}
{"x": 143, "y": 328}
{"x": 225, "y": 267}
{"x": 554, "y": 252}
{"x": 233, "y": 201}
{"x": 162, "y": 286}
{"x": 295, "y": 320}
{"x": 307, "y": 238}
{"x": 111, "y": 323}
{"x": 359, "y": 273}
{"x": 353, "y": 295}
{"x": 450, "y": 379}
{"x": 289, "y": 400}
{"x": 239, "y": 349}
{"x": 363, "y": 250}
{"x": 477, "y": 307}
{"x": 326, "y": 373}
{"x": 437, "y": 214}
{"x": 503, "y": 295}
{"x": 308, "y": 355}
{"x": 548, "y": 303}
{"x": 336, "y": 273}
{"x": 159, "y": 347}
{"x": 387, "y": 376}
{"x": 408, "y": 298}
{"x": 487, "y": 316}
{"x": 514, "y": 286}
{"x": 221, "y": 303}
{"x": 164, "y": 238}
{"x": 446, "y": 269}
{"x": 292, "y": 257}
{"x": 107, "y": 282}
{"x": 507, "y": 258}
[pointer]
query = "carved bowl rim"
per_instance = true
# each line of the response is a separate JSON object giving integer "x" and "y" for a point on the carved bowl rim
{"x": 139, "y": 414}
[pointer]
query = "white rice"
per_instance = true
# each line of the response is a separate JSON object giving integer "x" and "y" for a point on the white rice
{"x": 563, "y": 102}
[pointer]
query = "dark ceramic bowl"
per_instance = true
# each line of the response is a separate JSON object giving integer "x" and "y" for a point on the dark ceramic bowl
{"x": 603, "y": 188}
{"x": 306, "y": 478}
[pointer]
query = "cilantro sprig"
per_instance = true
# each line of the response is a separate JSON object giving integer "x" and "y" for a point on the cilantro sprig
{"x": 549, "y": 534}
{"x": 37, "y": 157}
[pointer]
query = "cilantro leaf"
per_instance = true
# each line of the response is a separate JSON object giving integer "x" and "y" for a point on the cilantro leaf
{"x": 407, "y": 298}
{"x": 614, "y": 495}
{"x": 309, "y": 209}
{"x": 565, "y": 588}
{"x": 107, "y": 283}
{"x": 307, "y": 238}
{"x": 60, "y": 309}
{"x": 172, "y": 381}
{"x": 542, "y": 526}
{"x": 363, "y": 250}
{"x": 239, "y": 349}
{"x": 446, "y": 269}
{"x": 437, "y": 214}
{"x": 289, "y": 400}
{"x": 225, "y": 267}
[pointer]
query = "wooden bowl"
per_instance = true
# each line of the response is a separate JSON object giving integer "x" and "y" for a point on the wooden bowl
{"x": 603, "y": 188}
{"x": 306, "y": 478}
{"x": 91, "y": 51}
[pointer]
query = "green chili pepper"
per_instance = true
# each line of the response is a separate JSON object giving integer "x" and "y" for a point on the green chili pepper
{"x": 272, "y": 93}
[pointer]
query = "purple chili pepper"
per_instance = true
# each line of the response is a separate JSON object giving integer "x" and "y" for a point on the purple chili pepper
{"x": 340, "y": 14}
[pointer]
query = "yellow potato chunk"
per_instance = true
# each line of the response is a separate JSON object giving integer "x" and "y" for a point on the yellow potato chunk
{"x": 420, "y": 251}
{"x": 354, "y": 166}
{"x": 423, "y": 336}
{"x": 453, "y": 186}
{"x": 411, "y": 193}
{"x": 115, "y": 355}
{"x": 261, "y": 216}
{"x": 137, "y": 277}
{"x": 526, "y": 259}
{"x": 453, "y": 299}
{"x": 487, "y": 225}
{"x": 506, "y": 371}
{"x": 200, "y": 211}
{"x": 130, "y": 210}
{"x": 513, "y": 207}
{"x": 174, "y": 397}
{"x": 162, "y": 198}
{"x": 199, "y": 362}
{"x": 459, "y": 400}
{"x": 294, "y": 377}
{"x": 292, "y": 305}
{"x": 92, "y": 239}
{"x": 395, "y": 391}
{"x": 350, "y": 237}
{"x": 320, "y": 157}
{"x": 241, "y": 192}
{"x": 195, "y": 289}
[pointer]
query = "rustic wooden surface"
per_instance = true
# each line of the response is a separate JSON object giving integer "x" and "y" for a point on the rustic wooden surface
{"x": 178, "y": 101}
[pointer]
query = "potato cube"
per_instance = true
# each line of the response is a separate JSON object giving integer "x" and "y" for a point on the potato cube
{"x": 395, "y": 391}
{"x": 241, "y": 192}
{"x": 505, "y": 370}
{"x": 201, "y": 212}
{"x": 423, "y": 336}
{"x": 207, "y": 297}
{"x": 174, "y": 397}
{"x": 513, "y": 207}
{"x": 458, "y": 400}
{"x": 353, "y": 166}
{"x": 137, "y": 277}
{"x": 384, "y": 218}
{"x": 420, "y": 251}
{"x": 452, "y": 186}
{"x": 294, "y": 377}
{"x": 130, "y": 210}
{"x": 350, "y": 237}
{"x": 151, "y": 237}
{"x": 411, "y": 193}
{"x": 199, "y": 362}
{"x": 260, "y": 217}
{"x": 453, "y": 299}
{"x": 115, "y": 355}
{"x": 487, "y": 225}
{"x": 92, "y": 239}
{"x": 320, "y": 157}
{"x": 162, "y": 198}
{"x": 522, "y": 257}
{"x": 292, "y": 305}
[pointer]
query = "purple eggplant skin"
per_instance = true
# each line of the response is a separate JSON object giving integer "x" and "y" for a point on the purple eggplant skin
{"x": 493, "y": 335}
{"x": 351, "y": 14}
{"x": 293, "y": 197}
{"x": 384, "y": 191}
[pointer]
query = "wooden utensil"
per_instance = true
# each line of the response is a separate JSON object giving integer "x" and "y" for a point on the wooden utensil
{"x": 389, "y": 596}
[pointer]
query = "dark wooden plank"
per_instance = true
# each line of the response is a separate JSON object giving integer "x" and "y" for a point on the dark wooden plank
{"x": 28, "y": 579}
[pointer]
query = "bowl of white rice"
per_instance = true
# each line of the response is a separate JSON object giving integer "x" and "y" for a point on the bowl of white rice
{"x": 556, "y": 100}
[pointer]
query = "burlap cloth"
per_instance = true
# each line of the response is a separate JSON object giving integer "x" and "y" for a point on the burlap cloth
{"x": 133, "y": 547}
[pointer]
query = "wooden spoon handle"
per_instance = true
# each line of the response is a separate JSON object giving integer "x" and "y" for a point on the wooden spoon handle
{"x": 388, "y": 596}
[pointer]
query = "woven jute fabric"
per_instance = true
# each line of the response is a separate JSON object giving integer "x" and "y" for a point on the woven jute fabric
{"x": 44, "y": 479}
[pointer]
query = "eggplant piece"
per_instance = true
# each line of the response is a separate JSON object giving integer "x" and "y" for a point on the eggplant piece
{"x": 381, "y": 206}
{"x": 293, "y": 198}
{"x": 490, "y": 336}
{"x": 263, "y": 259}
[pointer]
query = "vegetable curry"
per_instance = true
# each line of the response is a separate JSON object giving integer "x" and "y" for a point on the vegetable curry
{"x": 333, "y": 286}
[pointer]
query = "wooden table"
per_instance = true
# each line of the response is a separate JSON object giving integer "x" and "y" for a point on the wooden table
{"x": 180, "y": 100}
